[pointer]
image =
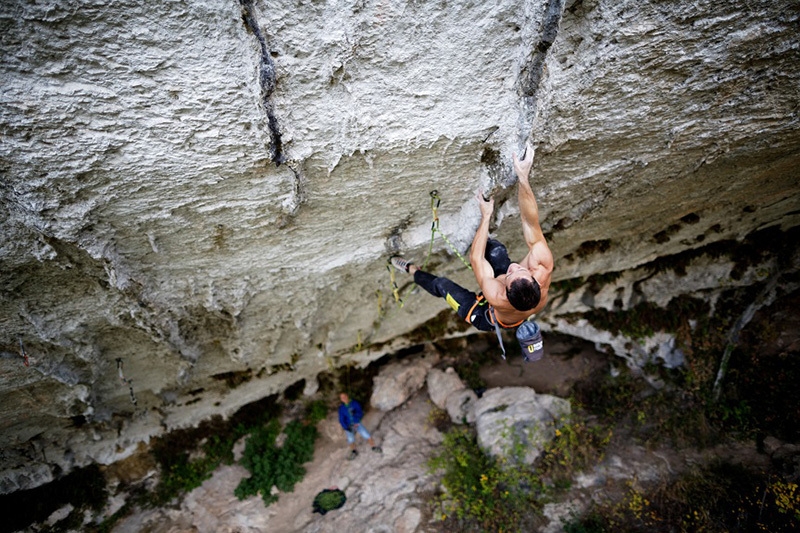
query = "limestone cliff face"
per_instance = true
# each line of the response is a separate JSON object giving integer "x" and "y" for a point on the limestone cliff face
{"x": 198, "y": 198}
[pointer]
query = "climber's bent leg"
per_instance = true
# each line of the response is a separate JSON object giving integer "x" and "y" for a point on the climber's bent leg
{"x": 459, "y": 298}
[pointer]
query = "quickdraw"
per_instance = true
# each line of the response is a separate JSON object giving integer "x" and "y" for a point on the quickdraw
{"x": 23, "y": 354}
{"x": 435, "y": 203}
{"x": 128, "y": 382}
{"x": 395, "y": 288}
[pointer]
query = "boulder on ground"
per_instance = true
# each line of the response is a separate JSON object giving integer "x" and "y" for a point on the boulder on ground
{"x": 311, "y": 386}
{"x": 509, "y": 418}
{"x": 459, "y": 404}
{"x": 778, "y": 449}
{"x": 398, "y": 381}
{"x": 441, "y": 384}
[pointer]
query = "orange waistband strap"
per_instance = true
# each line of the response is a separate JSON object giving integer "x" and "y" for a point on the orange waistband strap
{"x": 471, "y": 309}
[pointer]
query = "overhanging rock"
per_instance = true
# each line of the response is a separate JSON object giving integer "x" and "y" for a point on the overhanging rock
{"x": 144, "y": 217}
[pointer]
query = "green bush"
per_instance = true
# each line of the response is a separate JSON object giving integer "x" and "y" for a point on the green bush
{"x": 316, "y": 411}
{"x": 187, "y": 457}
{"x": 504, "y": 494}
{"x": 181, "y": 473}
{"x": 482, "y": 492}
{"x": 576, "y": 447}
{"x": 670, "y": 415}
{"x": 271, "y": 465}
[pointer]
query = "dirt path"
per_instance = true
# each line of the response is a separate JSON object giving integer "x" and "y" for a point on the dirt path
{"x": 566, "y": 361}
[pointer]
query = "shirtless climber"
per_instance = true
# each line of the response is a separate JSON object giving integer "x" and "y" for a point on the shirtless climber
{"x": 514, "y": 291}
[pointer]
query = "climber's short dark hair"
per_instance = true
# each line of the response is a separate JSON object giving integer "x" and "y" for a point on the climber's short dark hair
{"x": 524, "y": 294}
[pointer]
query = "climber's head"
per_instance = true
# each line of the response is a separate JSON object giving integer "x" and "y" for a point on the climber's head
{"x": 522, "y": 290}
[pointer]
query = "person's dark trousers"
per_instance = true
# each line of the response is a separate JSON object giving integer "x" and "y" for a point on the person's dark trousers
{"x": 457, "y": 296}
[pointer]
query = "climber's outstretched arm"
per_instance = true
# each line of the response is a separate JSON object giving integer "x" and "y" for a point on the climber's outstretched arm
{"x": 539, "y": 258}
{"x": 484, "y": 274}
{"x": 528, "y": 209}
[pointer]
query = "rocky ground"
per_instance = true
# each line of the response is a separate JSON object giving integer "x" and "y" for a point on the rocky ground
{"x": 390, "y": 492}
{"x": 386, "y": 492}
{"x": 383, "y": 490}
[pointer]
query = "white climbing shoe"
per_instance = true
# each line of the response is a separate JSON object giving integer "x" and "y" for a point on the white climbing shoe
{"x": 400, "y": 264}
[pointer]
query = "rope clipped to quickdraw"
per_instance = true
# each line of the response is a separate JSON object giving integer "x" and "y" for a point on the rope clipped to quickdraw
{"x": 435, "y": 203}
{"x": 23, "y": 353}
{"x": 128, "y": 382}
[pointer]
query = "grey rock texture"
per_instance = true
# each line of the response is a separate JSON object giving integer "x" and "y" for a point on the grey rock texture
{"x": 459, "y": 404}
{"x": 509, "y": 417}
{"x": 197, "y": 200}
{"x": 441, "y": 383}
{"x": 448, "y": 392}
{"x": 396, "y": 382}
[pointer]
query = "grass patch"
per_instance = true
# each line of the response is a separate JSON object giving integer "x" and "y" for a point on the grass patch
{"x": 577, "y": 446}
{"x": 187, "y": 457}
{"x": 684, "y": 412}
{"x": 185, "y": 471}
{"x": 483, "y": 493}
{"x": 480, "y": 493}
{"x": 439, "y": 419}
{"x": 719, "y": 498}
{"x": 650, "y": 417}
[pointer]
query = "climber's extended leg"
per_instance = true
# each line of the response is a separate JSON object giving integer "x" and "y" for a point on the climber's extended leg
{"x": 459, "y": 298}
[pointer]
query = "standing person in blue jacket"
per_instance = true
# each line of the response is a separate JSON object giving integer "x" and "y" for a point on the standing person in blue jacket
{"x": 350, "y": 415}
